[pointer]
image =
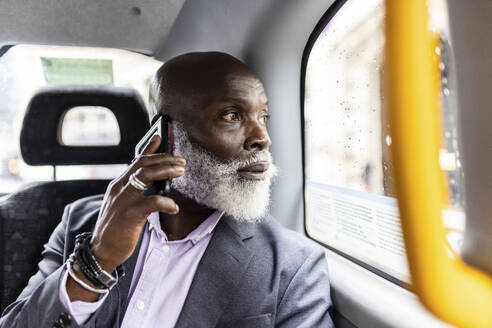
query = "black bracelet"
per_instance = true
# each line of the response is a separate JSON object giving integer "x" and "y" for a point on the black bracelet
{"x": 88, "y": 264}
{"x": 82, "y": 261}
{"x": 86, "y": 270}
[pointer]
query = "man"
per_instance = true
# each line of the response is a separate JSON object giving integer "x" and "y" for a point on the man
{"x": 207, "y": 255}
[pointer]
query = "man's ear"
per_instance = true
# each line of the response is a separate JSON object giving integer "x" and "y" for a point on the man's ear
{"x": 155, "y": 118}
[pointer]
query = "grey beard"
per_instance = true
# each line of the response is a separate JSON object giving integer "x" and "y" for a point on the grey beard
{"x": 216, "y": 184}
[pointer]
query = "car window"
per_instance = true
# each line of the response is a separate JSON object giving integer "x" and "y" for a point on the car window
{"x": 350, "y": 203}
{"x": 26, "y": 68}
{"x": 89, "y": 126}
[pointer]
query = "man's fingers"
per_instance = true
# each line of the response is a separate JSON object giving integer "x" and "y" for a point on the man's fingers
{"x": 158, "y": 172}
{"x": 150, "y": 174}
{"x": 155, "y": 159}
{"x": 153, "y": 145}
{"x": 158, "y": 204}
{"x": 151, "y": 160}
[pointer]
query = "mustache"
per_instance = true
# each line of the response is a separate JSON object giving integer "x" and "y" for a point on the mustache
{"x": 232, "y": 166}
{"x": 261, "y": 156}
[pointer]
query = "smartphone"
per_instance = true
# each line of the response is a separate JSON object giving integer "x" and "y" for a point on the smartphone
{"x": 160, "y": 127}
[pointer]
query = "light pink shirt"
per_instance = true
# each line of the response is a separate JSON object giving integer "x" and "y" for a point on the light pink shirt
{"x": 162, "y": 277}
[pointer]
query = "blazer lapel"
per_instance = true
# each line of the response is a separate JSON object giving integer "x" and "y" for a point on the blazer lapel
{"x": 217, "y": 275}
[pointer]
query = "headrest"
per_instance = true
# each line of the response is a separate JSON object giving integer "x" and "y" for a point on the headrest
{"x": 40, "y": 141}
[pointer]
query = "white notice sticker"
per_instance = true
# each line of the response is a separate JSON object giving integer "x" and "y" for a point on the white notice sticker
{"x": 365, "y": 226}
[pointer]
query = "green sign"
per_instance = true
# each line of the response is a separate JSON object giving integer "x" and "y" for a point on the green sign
{"x": 77, "y": 71}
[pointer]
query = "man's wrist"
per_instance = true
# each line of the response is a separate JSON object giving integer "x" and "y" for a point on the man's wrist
{"x": 105, "y": 264}
{"x": 89, "y": 265}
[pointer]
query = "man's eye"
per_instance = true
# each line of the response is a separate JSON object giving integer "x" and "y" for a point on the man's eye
{"x": 232, "y": 116}
{"x": 264, "y": 118}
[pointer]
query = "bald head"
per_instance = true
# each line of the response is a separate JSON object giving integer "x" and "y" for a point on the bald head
{"x": 193, "y": 80}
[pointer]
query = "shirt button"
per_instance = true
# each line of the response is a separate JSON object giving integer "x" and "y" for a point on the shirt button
{"x": 165, "y": 248}
{"x": 140, "y": 305}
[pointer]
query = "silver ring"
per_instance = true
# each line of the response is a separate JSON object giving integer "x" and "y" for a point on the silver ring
{"x": 135, "y": 182}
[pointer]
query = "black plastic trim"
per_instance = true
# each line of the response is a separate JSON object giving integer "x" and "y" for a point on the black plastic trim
{"x": 4, "y": 49}
{"x": 325, "y": 19}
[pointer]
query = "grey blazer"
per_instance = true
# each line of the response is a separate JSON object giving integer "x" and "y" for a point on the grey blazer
{"x": 251, "y": 275}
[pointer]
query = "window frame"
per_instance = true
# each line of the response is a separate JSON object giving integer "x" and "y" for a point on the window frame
{"x": 325, "y": 19}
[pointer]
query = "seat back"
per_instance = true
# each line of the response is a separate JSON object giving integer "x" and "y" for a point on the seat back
{"x": 28, "y": 217}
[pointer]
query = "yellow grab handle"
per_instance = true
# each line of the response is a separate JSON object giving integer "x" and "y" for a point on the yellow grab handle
{"x": 448, "y": 287}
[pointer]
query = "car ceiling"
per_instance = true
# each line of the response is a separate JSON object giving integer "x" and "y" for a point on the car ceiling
{"x": 115, "y": 24}
{"x": 160, "y": 28}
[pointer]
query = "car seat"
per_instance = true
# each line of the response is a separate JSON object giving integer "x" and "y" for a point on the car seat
{"x": 28, "y": 217}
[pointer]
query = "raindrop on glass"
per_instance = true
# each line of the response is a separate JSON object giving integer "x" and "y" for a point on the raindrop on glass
{"x": 388, "y": 140}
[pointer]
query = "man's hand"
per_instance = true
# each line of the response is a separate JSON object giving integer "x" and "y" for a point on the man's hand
{"x": 125, "y": 209}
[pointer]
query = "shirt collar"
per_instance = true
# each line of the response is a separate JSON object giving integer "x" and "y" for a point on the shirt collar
{"x": 205, "y": 228}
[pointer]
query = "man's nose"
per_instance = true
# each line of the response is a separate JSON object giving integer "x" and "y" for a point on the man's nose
{"x": 258, "y": 138}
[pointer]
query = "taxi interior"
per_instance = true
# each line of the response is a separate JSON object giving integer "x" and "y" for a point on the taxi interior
{"x": 281, "y": 40}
